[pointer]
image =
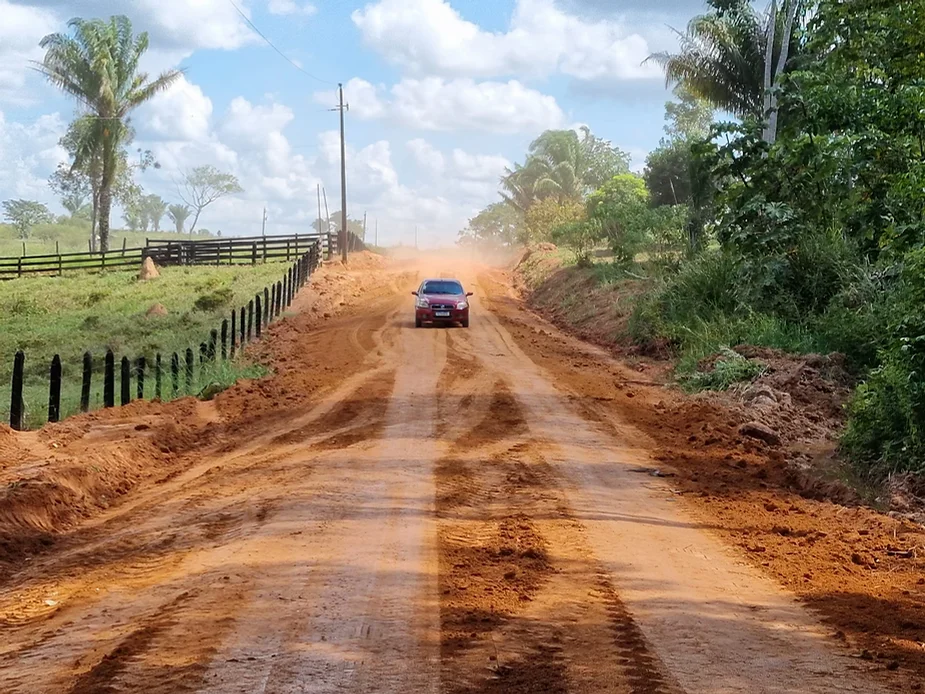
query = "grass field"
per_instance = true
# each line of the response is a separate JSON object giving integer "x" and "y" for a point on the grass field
{"x": 79, "y": 312}
{"x": 73, "y": 238}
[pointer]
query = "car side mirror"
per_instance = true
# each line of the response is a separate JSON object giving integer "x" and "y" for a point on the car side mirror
{"x": 469, "y": 293}
{"x": 414, "y": 293}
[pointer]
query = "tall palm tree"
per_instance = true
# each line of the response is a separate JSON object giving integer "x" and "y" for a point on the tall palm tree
{"x": 727, "y": 57}
{"x": 178, "y": 215}
{"x": 98, "y": 66}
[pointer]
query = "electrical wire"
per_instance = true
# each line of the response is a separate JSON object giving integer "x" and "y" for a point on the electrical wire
{"x": 271, "y": 45}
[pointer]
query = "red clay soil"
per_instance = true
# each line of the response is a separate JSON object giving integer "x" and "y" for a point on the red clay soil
{"x": 862, "y": 570}
{"x": 56, "y": 478}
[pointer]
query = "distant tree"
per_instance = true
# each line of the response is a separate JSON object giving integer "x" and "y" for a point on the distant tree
{"x": 355, "y": 226}
{"x": 178, "y": 215}
{"x": 25, "y": 214}
{"x": 156, "y": 208}
{"x": 98, "y": 66}
{"x": 73, "y": 203}
{"x": 688, "y": 117}
{"x": 204, "y": 185}
{"x": 497, "y": 225}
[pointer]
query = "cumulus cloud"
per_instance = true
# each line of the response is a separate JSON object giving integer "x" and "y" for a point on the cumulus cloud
{"x": 429, "y": 37}
{"x": 290, "y": 7}
{"x": 21, "y": 29}
{"x": 29, "y": 153}
{"x": 438, "y": 104}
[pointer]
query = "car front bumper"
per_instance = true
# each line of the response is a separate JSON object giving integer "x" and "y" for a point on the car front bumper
{"x": 429, "y": 315}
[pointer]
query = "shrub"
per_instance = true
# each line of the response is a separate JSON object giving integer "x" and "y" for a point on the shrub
{"x": 580, "y": 237}
{"x": 727, "y": 369}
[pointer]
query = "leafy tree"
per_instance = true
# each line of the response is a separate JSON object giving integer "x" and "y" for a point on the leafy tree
{"x": 620, "y": 208}
{"x": 178, "y": 215}
{"x": 204, "y": 185}
{"x": 581, "y": 237}
{"x": 74, "y": 203}
{"x": 498, "y": 225}
{"x": 25, "y": 214}
{"x": 546, "y": 215}
{"x": 98, "y": 66}
{"x": 688, "y": 117}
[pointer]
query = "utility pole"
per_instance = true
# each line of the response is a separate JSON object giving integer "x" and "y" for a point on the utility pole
{"x": 343, "y": 177}
{"x": 264, "y": 229}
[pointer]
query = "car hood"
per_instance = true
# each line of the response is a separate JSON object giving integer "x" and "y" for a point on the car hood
{"x": 441, "y": 298}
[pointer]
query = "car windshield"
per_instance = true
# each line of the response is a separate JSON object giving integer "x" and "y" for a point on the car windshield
{"x": 441, "y": 287}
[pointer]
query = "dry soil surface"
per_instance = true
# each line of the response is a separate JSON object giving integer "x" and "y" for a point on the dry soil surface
{"x": 404, "y": 510}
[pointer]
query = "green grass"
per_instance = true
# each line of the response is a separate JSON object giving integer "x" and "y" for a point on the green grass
{"x": 73, "y": 238}
{"x": 82, "y": 312}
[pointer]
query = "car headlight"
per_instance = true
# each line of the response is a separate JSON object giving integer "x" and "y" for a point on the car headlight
{"x": 461, "y": 305}
{"x": 423, "y": 303}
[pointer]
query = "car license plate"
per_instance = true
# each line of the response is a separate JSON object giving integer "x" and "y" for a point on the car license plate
{"x": 441, "y": 314}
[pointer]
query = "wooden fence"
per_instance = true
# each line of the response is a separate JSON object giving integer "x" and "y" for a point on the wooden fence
{"x": 235, "y": 250}
{"x": 174, "y": 375}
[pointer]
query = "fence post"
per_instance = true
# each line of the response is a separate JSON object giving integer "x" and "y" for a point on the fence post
{"x": 124, "y": 241}
{"x": 291, "y": 292}
{"x": 224, "y": 339}
{"x": 189, "y": 370}
{"x": 175, "y": 374}
{"x": 85, "y": 382}
{"x": 140, "y": 365}
{"x": 234, "y": 332}
{"x": 54, "y": 390}
{"x": 213, "y": 341}
{"x": 109, "y": 380}
{"x": 296, "y": 245}
{"x": 157, "y": 376}
{"x": 264, "y": 249}
{"x": 250, "y": 320}
{"x": 258, "y": 315}
{"x": 287, "y": 250}
{"x": 203, "y": 353}
{"x": 230, "y": 252}
{"x": 102, "y": 260}
{"x": 241, "y": 329}
{"x": 16, "y": 404}
{"x": 266, "y": 306}
{"x": 254, "y": 253}
{"x": 126, "y": 382}
{"x": 279, "y": 298}
{"x": 19, "y": 266}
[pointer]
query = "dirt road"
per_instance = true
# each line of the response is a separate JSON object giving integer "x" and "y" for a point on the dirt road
{"x": 403, "y": 510}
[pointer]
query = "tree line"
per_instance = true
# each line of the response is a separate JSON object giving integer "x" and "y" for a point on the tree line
{"x": 797, "y": 224}
{"x": 97, "y": 64}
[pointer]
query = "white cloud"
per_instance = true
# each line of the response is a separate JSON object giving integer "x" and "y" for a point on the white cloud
{"x": 429, "y": 37}
{"x": 427, "y": 156}
{"x": 290, "y": 7}
{"x": 21, "y": 29}
{"x": 183, "y": 112}
{"x": 434, "y": 103}
{"x": 29, "y": 153}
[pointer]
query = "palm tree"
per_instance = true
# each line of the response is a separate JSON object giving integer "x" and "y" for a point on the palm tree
{"x": 563, "y": 165}
{"x": 98, "y": 66}
{"x": 156, "y": 208}
{"x": 727, "y": 56}
{"x": 178, "y": 214}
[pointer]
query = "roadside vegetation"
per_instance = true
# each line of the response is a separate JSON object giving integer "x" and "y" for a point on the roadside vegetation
{"x": 94, "y": 312}
{"x": 795, "y": 223}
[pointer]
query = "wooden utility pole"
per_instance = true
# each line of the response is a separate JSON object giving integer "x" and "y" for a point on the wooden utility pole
{"x": 343, "y": 178}
{"x": 264, "y": 228}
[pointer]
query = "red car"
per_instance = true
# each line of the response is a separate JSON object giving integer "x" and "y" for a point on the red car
{"x": 441, "y": 301}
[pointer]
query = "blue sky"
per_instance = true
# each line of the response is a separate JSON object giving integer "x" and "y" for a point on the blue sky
{"x": 443, "y": 95}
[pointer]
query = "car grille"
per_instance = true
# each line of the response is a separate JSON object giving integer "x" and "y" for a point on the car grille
{"x": 442, "y": 307}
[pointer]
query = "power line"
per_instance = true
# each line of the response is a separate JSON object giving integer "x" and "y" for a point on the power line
{"x": 271, "y": 45}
